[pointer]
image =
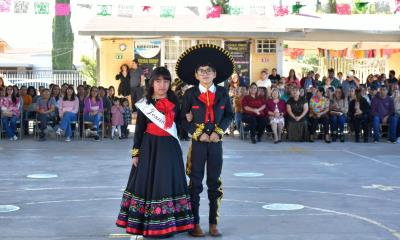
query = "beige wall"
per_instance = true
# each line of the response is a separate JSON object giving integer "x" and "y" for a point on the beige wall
{"x": 394, "y": 64}
{"x": 109, "y": 64}
{"x": 259, "y": 61}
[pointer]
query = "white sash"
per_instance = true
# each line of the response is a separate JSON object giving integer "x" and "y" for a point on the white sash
{"x": 156, "y": 117}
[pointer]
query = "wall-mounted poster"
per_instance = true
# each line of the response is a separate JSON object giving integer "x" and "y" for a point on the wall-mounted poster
{"x": 240, "y": 51}
{"x": 148, "y": 53}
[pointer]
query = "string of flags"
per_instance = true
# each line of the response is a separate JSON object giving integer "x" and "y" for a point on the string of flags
{"x": 356, "y": 53}
{"x": 272, "y": 8}
{"x": 298, "y": 53}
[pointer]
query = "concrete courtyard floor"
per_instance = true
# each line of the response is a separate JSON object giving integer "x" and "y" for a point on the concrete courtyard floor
{"x": 349, "y": 191}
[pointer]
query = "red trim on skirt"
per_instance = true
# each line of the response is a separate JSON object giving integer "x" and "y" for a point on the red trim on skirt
{"x": 155, "y": 232}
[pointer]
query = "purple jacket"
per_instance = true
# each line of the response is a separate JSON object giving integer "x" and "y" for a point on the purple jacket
{"x": 382, "y": 107}
{"x": 271, "y": 106}
{"x": 89, "y": 104}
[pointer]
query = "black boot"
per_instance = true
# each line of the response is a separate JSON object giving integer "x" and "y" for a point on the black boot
{"x": 334, "y": 137}
{"x": 259, "y": 137}
{"x": 357, "y": 137}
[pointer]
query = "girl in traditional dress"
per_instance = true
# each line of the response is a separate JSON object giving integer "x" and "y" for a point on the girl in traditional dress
{"x": 156, "y": 202}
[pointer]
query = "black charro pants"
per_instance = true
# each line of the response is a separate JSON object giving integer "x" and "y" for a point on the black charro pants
{"x": 201, "y": 156}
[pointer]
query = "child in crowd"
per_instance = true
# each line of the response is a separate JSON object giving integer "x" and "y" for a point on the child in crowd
{"x": 127, "y": 114}
{"x": 117, "y": 119}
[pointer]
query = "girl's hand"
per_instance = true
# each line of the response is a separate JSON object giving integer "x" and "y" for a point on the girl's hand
{"x": 135, "y": 161}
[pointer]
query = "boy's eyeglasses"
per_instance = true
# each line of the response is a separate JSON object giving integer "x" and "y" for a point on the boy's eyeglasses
{"x": 205, "y": 71}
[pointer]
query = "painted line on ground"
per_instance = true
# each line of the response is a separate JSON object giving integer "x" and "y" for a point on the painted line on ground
{"x": 372, "y": 159}
{"x": 73, "y": 200}
{"x": 282, "y": 150}
{"x": 201, "y": 215}
{"x": 393, "y": 232}
{"x": 319, "y": 192}
{"x": 118, "y": 188}
{"x": 60, "y": 188}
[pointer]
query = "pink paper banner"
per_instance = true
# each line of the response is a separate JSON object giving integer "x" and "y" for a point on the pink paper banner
{"x": 63, "y": 9}
{"x": 397, "y": 6}
{"x": 343, "y": 9}
{"x": 214, "y": 12}
{"x": 5, "y": 5}
{"x": 281, "y": 11}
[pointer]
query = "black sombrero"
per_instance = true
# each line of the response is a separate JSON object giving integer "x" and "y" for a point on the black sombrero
{"x": 204, "y": 53}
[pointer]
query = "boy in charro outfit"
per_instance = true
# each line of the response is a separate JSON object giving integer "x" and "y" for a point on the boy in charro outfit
{"x": 204, "y": 66}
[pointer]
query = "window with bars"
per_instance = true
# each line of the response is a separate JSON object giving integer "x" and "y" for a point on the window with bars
{"x": 266, "y": 46}
{"x": 173, "y": 49}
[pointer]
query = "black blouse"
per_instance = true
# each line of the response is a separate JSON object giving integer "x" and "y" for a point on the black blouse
{"x": 296, "y": 106}
{"x": 364, "y": 107}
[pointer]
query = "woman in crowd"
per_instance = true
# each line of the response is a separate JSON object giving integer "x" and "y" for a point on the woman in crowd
{"x": 107, "y": 104}
{"x": 69, "y": 107}
{"x": 10, "y": 113}
{"x": 292, "y": 79}
{"x": 338, "y": 113}
{"x": 111, "y": 94}
{"x": 26, "y": 103}
{"x": 63, "y": 90}
{"x": 396, "y": 100}
{"x": 352, "y": 94}
{"x": 359, "y": 115}
{"x": 319, "y": 113}
{"x": 297, "y": 109}
{"x": 81, "y": 96}
{"x": 253, "y": 113}
{"x": 276, "y": 111}
{"x": 364, "y": 93}
{"x": 93, "y": 111}
{"x": 124, "y": 77}
{"x": 234, "y": 85}
{"x": 46, "y": 111}
{"x": 55, "y": 95}
{"x": 33, "y": 93}
{"x": 237, "y": 106}
{"x": 2, "y": 85}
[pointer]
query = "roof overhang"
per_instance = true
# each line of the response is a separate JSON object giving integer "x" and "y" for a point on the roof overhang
{"x": 385, "y": 28}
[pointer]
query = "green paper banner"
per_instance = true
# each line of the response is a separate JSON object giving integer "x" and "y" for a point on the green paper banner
{"x": 167, "y": 12}
{"x": 104, "y": 10}
{"x": 42, "y": 8}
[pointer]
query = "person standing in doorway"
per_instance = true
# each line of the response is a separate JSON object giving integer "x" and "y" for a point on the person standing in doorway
{"x": 136, "y": 80}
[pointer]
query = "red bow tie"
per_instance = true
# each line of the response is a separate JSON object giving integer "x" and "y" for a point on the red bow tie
{"x": 208, "y": 99}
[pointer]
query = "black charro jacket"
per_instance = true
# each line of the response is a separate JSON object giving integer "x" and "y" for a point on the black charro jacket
{"x": 223, "y": 113}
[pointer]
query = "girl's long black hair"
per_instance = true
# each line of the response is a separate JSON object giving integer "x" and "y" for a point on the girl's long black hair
{"x": 97, "y": 96}
{"x": 72, "y": 96}
{"x": 165, "y": 74}
{"x": 13, "y": 95}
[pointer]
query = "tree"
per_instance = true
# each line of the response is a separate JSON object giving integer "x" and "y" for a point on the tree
{"x": 63, "y": 41}
{"x": 89, "y": 70}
